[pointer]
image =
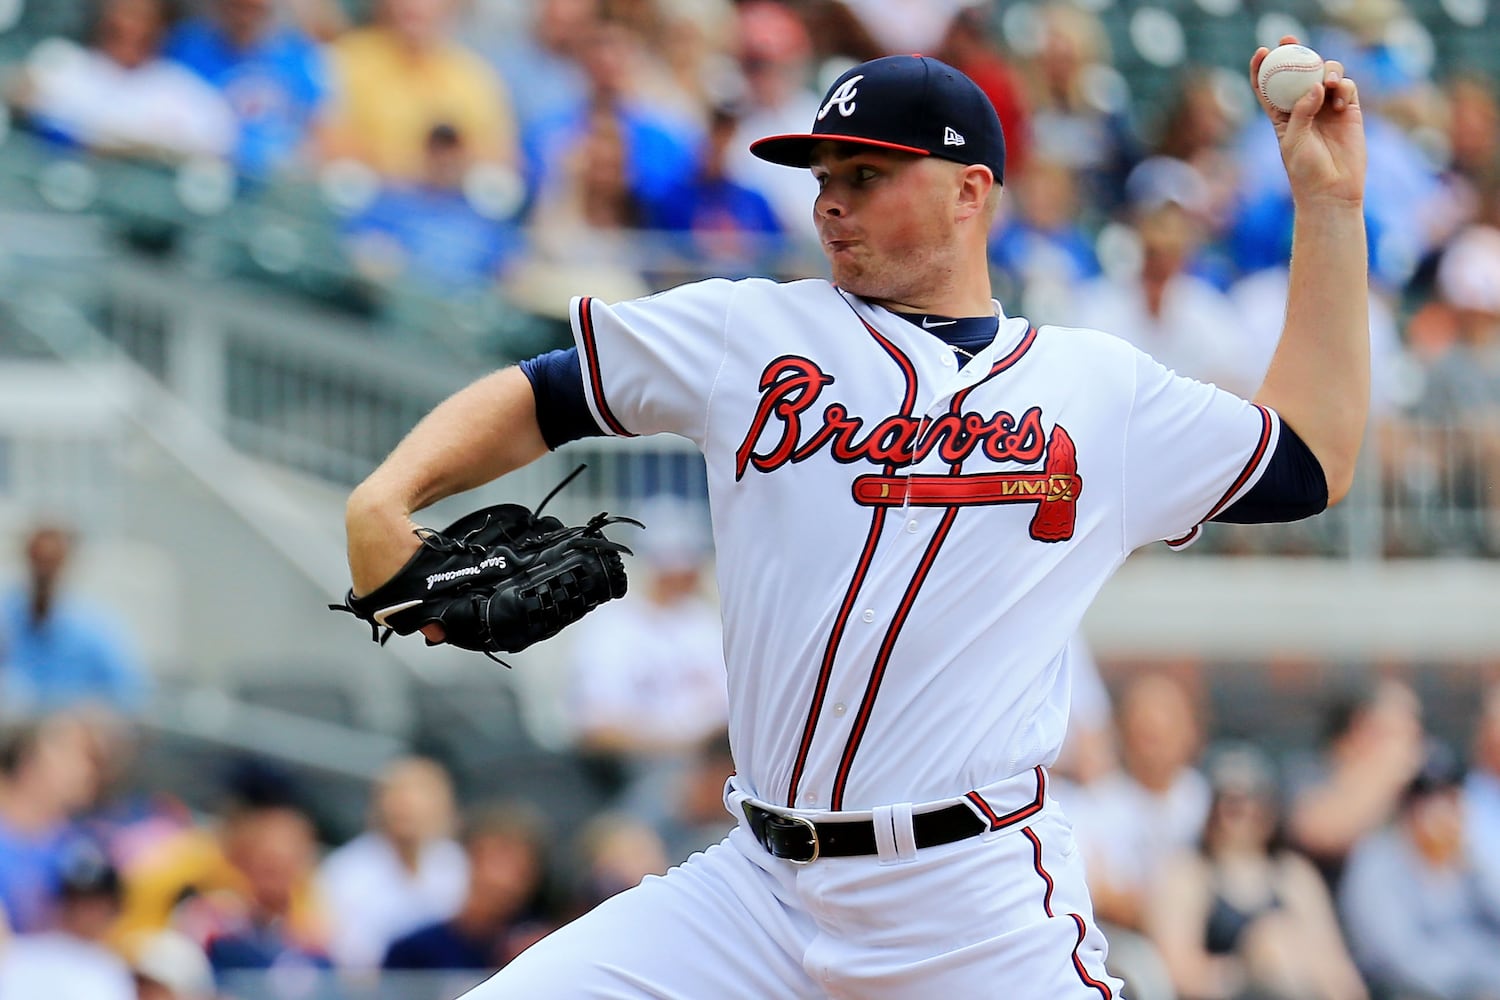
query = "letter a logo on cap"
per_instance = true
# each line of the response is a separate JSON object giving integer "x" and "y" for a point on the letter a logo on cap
{"x": 951, "y": 137}
{"x": 843, "y": 97}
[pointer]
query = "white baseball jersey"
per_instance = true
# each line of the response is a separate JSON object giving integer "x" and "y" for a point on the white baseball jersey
{"x": 905, "y": 545}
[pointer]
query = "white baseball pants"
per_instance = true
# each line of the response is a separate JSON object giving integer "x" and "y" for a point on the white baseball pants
{"x": 1002, "y": 915}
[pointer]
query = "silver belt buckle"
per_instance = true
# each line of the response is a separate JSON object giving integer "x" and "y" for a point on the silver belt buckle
{"x": 812, "y": 833}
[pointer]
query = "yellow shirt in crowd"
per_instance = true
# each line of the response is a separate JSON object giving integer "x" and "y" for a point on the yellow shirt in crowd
{"x": 388, "y": 98}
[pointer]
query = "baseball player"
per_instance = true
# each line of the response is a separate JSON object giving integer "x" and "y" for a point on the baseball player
{"x": 914, "y": 498}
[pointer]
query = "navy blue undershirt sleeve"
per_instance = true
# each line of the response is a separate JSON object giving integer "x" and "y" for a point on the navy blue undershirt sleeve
{"x": 562, "y": 409}
{"x": 1292, "y": 487}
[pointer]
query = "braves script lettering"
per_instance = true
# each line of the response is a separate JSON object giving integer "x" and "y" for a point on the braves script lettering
{"x": 791, "y": 385}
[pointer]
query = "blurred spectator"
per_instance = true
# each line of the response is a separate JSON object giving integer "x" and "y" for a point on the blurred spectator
{"x": 648, "y": 680}
{"x": 906, "y": 25}
{"x": 430, "y": 229}
{"x": 616, "y": 852}
{"x": 1178, "y": 318}
{"x": 1038, "y": 243}
{"x": 1129, "y": 822}
{"x": 1360, "y": 35}
{"x": 657, "y": 149}
{"x": 1482, "y": 794}
{"x": 254, "y": 861}
{"x": 715, "y": 225}
{"x": 967, "y": 45}
{"x": 1088, "y": 751}
{"x": 1242, "y": 916}
{"x": 1259, "y": 299}
{"x": 497, "y": 918}
{"x": 1198, "y": 128}
{"x": 1473, "y": 128}
{"x": 1419, "y": 923}
{"x": 1371, "y": 748}
{"x": 403, "y": 873}
{"x": 1074, "y": 120}
{"x": 840, "y": 36}
{"x": 46, "y": 777}
{"x": 696, "y": 818}
{"x": 1402, "y": 197}
{"x": 273, "y": 76}
{"x": 129, "y": 818}
{"x": 399, "y": 78}
{"x": 686, "y": 71}
{"x": 60, "y": 651}
{"x": 1461, "y": 391}
{"x": 541, "y": 67}
{"x": 169, "y": 966}
{"x": 1470, "y": 126}
{"x": 71, "y": 961}
{"x": 1463, "y": 302}
{"x": 583, "y": 232}
{"x": 256, "y": 928}
{"x": 120, "y": 95}
{"x": 775, "y": 56}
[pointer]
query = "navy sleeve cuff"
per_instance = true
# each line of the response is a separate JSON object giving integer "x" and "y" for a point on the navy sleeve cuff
{"x": 1292, "y": 487}
{"x": 562, "y": 411}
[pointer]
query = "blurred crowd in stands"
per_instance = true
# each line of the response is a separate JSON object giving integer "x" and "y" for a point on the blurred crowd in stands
{"x": 1363, "y": 863}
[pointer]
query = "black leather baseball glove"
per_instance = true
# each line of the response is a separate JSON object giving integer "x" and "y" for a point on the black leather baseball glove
{"x": 498, "y": 579}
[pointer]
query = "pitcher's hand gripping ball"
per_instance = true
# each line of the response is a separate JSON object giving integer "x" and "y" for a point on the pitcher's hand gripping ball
{"x": 499, "y": 579}
{"x": 1288, "y": 72}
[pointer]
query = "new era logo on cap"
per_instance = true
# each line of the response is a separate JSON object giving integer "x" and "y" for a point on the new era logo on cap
{"x": 913, "y": 104}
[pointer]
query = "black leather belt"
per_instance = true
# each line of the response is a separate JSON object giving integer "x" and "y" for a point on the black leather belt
{"x": 801, "y": 841}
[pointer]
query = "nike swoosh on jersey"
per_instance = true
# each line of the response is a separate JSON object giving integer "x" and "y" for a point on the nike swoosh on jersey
{"x": 927, "y": 323}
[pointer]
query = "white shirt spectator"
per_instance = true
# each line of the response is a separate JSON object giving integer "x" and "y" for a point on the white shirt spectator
{"x": 1197, "y": 334}
{"x": 1260, "y": 300}
{"x": 62, "y": 967}
{"x": 1128, "y": 831}
{"x": 158, "y": 105}
{"x": 652, "y": 670}
{"x": 374, "y": 900}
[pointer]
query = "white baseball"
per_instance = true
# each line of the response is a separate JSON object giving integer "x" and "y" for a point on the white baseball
{"x": 1288, "y": 72}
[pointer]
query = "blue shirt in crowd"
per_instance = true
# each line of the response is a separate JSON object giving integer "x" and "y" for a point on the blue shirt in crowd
{"x": 445, "y": 241}
{"x": 31, "y": 866}
{"x": 74, "y": 655}
{"x": 276, "y": 87}
{"x": 722, "y": 225}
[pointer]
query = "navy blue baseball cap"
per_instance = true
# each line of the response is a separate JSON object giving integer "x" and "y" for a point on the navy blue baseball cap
{"x": 915, "y": 104}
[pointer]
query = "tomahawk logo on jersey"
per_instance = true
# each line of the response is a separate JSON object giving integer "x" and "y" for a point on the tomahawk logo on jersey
{"x": 978, "y": 509}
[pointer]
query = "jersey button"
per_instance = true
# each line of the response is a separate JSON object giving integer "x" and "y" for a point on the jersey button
{"x": 868, "y": 616}
{"x": 911, "y": 527}
{"x": 948, "y": 361}
{"x": 840, "y": 709}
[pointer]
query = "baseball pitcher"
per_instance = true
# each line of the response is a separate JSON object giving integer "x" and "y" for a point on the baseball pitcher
{"x": 915, "y": 496}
